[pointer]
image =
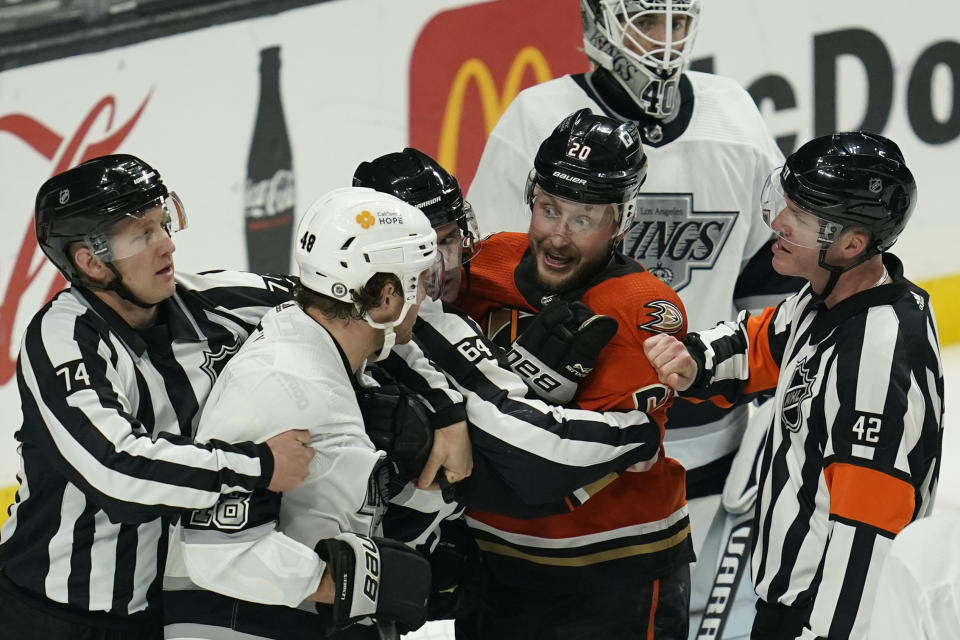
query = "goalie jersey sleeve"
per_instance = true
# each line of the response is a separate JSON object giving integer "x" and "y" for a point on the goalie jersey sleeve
{"x": 852, "y": 454}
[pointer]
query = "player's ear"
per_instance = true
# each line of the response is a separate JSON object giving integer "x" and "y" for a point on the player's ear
{"x": 89, "y": 264}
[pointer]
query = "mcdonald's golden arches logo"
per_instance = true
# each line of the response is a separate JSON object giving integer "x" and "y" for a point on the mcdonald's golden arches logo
{"x": 493, "y": 101}
{"x": 460, "y": 86}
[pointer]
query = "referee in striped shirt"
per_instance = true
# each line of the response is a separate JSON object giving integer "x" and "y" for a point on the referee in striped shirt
{"x": 852, "y": 455}
{"x": 112, "y": 375}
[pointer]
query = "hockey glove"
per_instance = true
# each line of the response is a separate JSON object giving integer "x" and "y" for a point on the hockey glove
{"x": 559, "y": 349}
{"x": 376, "y": 578}
{"x": 454, "y": 565}
{"x": 397, "y": 421}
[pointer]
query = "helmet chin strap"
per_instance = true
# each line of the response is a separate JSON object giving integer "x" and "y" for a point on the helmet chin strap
{"x": 116, "y": 285}
{"x": 389, "y": 336}
{"x": 837, "y": 271}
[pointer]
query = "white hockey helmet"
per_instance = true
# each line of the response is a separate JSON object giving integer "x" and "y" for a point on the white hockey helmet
{"x": 351, "y": 234}
{"x": 624, "y": 37}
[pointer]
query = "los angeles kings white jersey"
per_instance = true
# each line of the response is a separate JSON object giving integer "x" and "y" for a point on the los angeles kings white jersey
{"x": 289, "y": 374}
{"x": 698, "y": 225}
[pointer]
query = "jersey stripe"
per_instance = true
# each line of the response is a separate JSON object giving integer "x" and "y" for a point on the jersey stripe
{"x": 106, "y": 455}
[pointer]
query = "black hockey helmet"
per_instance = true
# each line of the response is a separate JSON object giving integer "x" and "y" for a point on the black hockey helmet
{"x": 83, "y": 203}
{"x": 853, "y": 179}
{"x": 591, "y": 159}
{"x": 418, "y": 179}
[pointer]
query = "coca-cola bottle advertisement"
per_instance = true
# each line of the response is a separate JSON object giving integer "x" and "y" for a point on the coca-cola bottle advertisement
{"x": 270, "y": 194}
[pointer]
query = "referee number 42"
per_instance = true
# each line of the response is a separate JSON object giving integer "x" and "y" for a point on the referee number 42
{"x": 75, "y": 375}
{"x": 867, "y": 429}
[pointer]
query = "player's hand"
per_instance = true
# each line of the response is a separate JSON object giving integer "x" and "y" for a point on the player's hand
{"x": 559, "y": 349}
{"x": 675, "y": 367}
{"x": 292, "y": 454}
{"x": 376, "y": 577}
{"x": 398, "y": 422}
{"x": 452, "y": 452}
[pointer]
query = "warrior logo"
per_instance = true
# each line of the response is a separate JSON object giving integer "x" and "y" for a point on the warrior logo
{"x": 213, "y": 363}
{"x": 672, "y": 239}
{"x": 667, "y": 318}
{"x": 800, "y": 389}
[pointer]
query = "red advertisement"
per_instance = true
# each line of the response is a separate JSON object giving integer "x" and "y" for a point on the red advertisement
{"x": 469, "y": 63}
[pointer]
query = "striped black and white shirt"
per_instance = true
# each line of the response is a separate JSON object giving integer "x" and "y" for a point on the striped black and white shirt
{"x": 106, "y": 452}
{"x": 531, "y": 459}
{"x": 852, "y": 455}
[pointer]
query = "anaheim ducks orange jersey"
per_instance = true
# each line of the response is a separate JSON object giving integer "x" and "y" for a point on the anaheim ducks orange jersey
{"x": 634, "y": 524}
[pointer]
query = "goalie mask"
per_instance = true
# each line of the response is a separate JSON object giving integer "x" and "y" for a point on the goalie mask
{"x": 351, "y": 234}
{"x": 645, "y": 45}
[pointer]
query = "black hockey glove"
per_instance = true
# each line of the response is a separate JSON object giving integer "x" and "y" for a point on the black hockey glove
{"x": 454, "y": 565}
{"x": 376, "y": 578}
{"x": 397, "y": 421}
{"x": 559, "y": 349}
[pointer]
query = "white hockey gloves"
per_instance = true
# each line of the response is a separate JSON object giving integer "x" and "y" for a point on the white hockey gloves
{"x": 558, "y": 350}
{"x": 376, "y": 578}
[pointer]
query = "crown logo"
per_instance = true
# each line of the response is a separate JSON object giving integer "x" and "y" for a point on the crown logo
{"x": 365, "y": 219}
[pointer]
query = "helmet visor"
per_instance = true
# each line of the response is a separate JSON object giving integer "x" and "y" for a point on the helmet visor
{"x": 429, "y": 281}
{"x": 457, "y": 240}
{"x": 471, "y": 233}
{"x": 551, "y": 214}
{"x": 792, "y": 223}
{"x": 140, "y": 230}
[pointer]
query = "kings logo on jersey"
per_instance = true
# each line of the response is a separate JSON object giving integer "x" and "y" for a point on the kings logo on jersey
{"x": 671, "y": 239}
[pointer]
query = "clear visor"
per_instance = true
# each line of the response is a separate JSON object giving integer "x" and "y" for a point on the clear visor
{"x": 791, "y": 223}
{"x": 457, "y": 240}
{"x": 655, "y": 33}
{"x": 140, "y": 230}
{"x": 429, "y": 282}
{"x": 550, "y": 214}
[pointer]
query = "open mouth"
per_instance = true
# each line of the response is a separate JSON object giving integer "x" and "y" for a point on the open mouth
{"x": 166, "y": 271}
{"x": 556, "y": 261}
{"x": 780, "y": 246}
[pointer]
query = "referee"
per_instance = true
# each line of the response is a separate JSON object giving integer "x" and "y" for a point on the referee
{"x": 852, "y": 455}
{"x": 112, "y": 375}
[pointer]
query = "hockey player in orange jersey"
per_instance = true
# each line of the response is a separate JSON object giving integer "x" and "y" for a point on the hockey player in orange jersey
{"x": 616, "y": 565}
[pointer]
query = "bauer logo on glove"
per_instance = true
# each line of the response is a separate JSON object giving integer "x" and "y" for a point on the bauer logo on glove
{"x": 559, "y": 349}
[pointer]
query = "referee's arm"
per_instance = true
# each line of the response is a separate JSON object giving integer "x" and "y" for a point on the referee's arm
{"x": 76, "y": 412}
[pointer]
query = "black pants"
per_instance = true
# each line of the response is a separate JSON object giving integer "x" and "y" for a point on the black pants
{"x": 506, "y": 613}
{"x": 24, "y": 616}
{"x": 778, "y": 621}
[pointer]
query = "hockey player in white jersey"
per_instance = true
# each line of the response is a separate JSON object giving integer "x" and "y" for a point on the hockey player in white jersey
{"x": 255, "y": 567}
{"x": 696, "y": 228}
